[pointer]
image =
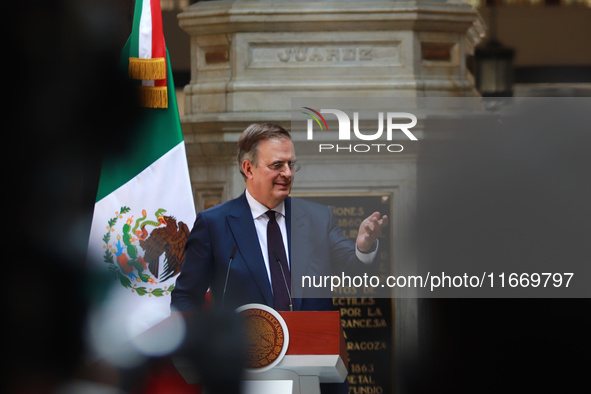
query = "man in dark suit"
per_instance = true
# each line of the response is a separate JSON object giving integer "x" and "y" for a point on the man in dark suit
{"x": 239, "y": 250}
{"x": 235, "y": 233}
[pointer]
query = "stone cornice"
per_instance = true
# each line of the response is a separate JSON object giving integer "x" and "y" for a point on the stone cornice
{"x": 206, "y": 18}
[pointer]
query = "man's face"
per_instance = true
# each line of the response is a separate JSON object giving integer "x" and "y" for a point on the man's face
{"x": 269, "y": 186}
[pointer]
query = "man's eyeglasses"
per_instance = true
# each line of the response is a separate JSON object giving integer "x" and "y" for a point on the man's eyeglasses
{"x": 279, "y": 166}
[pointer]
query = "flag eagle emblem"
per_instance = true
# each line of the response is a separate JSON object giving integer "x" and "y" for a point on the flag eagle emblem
{"x": 145, "y": 250}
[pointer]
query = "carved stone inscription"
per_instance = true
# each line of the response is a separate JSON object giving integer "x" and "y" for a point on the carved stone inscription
{"x": 367, "y": 322}
{"x": 303, "y": 54}
{"x": 323, "y": 55}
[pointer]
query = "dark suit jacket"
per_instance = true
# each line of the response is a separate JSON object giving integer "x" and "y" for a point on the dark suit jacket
{"x": 317, "y": 247}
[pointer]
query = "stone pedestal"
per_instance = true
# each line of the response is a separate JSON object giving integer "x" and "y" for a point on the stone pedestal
{"x": 253, "y": 56}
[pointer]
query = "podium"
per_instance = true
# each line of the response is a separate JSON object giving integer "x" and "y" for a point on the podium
{"x": 303, "y": 349}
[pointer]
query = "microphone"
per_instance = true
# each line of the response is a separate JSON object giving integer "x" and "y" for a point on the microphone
{"x": 228, "y": 273}
{"x": 284, "y": 281}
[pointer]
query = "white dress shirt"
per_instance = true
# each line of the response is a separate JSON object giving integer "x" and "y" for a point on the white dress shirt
{"x": 259, "y": 211}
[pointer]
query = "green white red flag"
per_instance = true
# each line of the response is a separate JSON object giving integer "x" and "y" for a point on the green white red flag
{"x": 144, "y": 206}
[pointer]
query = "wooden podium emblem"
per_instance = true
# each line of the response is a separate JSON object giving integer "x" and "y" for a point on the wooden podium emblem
{"x": 267, "y": 337}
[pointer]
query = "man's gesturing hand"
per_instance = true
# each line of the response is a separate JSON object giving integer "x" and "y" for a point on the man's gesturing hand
{"x": 369, "y": 231}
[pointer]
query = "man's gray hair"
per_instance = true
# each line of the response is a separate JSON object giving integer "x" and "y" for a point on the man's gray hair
{"x": 248, "y": 144}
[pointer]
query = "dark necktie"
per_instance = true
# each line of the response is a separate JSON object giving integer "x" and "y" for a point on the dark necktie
{"x": 280, "y": 279}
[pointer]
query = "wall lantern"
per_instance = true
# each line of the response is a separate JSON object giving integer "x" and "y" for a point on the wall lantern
{"x": 493, "y": 65}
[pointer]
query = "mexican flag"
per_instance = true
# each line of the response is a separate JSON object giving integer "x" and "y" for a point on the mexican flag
{"x": 144, "y": 207}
